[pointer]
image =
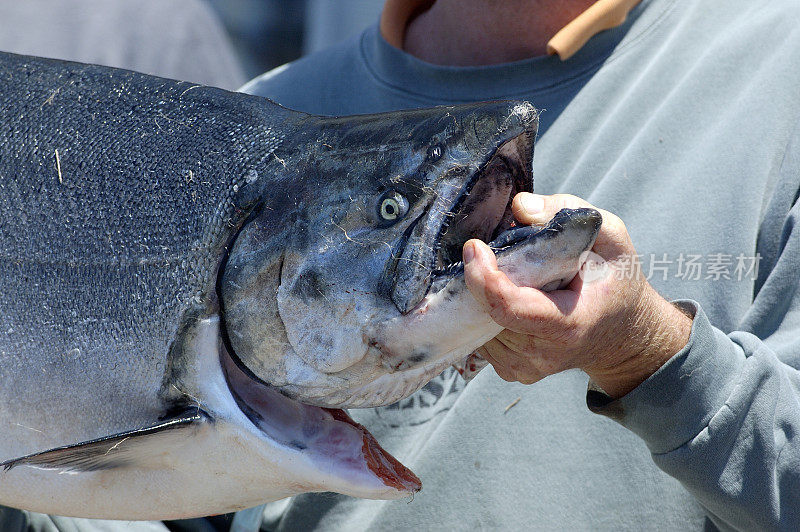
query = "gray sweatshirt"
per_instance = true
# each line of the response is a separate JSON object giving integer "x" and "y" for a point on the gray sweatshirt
{"x": 684, "y": 122}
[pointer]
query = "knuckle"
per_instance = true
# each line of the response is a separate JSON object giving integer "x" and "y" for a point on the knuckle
{"x": 494, "y": 285}
{"x": 618, "y": 226}
{"x": 496, "y": 310}
{"x": 500, "y": 307}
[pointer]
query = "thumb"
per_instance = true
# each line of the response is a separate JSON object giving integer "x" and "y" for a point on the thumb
{"x": 514, "y": 307}
{"x": 480, "y": 263}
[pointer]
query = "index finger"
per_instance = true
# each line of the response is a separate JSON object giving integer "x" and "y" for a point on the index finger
{"x": 612, "y": 240}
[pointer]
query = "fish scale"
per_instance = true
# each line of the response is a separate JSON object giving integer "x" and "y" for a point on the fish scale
{"x": 117, "y": 218}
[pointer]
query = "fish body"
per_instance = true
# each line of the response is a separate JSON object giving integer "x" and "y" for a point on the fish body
{"x": 193, "y": 282}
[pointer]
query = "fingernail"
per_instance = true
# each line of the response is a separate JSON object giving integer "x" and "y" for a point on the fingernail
{"x": 532, "y": 203}
{"x": 469, "y": 252}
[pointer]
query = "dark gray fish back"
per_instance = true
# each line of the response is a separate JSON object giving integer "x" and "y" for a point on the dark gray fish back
{"x": 118, "y": 192}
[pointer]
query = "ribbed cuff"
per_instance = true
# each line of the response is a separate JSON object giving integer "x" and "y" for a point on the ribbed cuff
{"x": 677, "y": 401}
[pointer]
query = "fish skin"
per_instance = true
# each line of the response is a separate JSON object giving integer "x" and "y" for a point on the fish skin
{"x": 107, "y": 246}
{"x": 120, "y": 196}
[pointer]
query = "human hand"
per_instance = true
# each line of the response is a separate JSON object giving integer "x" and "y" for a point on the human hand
{"x": 608, "y": 321}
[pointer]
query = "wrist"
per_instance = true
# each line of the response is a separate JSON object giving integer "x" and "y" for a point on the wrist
{"x": 663, "y": 330}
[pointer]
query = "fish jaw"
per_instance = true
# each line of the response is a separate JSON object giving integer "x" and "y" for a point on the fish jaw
{"x": 449, "y": 324}
{"x": 237, "y": 461}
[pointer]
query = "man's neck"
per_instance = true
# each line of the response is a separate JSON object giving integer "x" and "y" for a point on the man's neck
{"x": 486, "y": 32}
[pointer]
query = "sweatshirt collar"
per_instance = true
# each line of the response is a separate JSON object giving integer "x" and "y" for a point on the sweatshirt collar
{"x": 435, "y": 83}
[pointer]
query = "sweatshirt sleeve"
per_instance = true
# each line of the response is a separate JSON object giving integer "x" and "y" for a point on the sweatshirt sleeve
{"x": 723, "y": 415}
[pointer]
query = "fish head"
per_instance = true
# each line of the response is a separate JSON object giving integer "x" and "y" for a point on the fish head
{"x": 344, "y": 288}
{"x": 381, "y": 208}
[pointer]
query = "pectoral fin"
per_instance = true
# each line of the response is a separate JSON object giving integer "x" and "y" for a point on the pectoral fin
{"x": 142, "y": 447}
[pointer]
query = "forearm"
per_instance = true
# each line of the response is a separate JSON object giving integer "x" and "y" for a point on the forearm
{"x": 722, "y": 417}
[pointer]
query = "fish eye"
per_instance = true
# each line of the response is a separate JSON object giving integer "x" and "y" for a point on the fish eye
{"x": 435, "y": 153}
{"x": 393, "y": 206}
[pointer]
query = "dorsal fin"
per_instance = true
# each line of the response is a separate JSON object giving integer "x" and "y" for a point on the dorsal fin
{"x": 139, "y": 447}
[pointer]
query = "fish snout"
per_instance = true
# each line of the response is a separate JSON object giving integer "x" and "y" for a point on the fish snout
{"x": 580, "y": 226}
{"x": 582, "y": 219}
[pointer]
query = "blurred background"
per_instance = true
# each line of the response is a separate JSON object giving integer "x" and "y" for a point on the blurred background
{"x": 268, "y": 33}
{"x": 215, "y": 42}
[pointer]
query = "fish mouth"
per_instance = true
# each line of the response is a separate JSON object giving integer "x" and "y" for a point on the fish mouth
{"x": 476, "y": 213}
{"x": 480, "y": 209}
{"x": 509, "y": 237}
{"x": 344, "y": 456}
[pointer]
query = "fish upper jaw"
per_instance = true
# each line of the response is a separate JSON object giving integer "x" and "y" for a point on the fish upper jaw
{"x": 473, "y": 206}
